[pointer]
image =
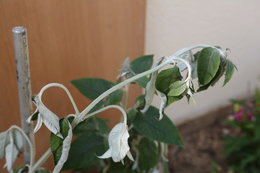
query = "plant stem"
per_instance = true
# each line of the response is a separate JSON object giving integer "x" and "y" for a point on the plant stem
{"x": 120, "y": 85}
{"x": 42, "y": 160}
{"x": 31, "y": 146}
{"x": 109, "y": 107}
{"x": 62, "y": 87}
{"x": 81, "y": 116}
{"x": 111, "y": 90}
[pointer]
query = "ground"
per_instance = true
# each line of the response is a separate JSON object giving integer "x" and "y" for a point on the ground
{"x": 203, "y": 144}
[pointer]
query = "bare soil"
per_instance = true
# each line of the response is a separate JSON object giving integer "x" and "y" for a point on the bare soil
{"x": 203, "y": 144}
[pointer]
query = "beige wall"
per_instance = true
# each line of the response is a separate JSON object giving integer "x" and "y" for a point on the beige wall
{"x": 173, "y": 24}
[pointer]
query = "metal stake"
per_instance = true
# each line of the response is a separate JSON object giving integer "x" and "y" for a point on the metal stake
{"x": 24, "y": 83}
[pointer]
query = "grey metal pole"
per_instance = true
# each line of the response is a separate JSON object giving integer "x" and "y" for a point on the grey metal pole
{"x": 24, "y": 83}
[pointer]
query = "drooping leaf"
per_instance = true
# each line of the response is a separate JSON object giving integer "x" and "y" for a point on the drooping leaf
{"x": 86, "y": 147}
{"x": 148, "y": 154}
{"x": 65, "y": 149}
{"x": 149, "y": 92}
{"x": 118, "y": 143}
{"x": 208, "y": 64}
{"x": 187, "y": 56}
{"x": 50, "y": 119}
{"x": 164, "y": 130}
{"x": 150, "y": 88}
{"x": 194, "y": 71}
{"x": 57, "y": 142}
{"x": 44, "y": 115}
{"x": 194, "y": 65}
{"x": 11, "y": 153}
{"x": 230, "y": 68}
{"x": 51, "y": 122}
{"x": 166, "y": 77}
{"x": 3, "y": 138}
{"x": 94, "y": 87}
{"x": 219, "y": 74}
{"x": 38, "y": 124}
{"x": 18, "y": 139}
{"x": 126, "y": 70}
{"x": 177, "y": 88}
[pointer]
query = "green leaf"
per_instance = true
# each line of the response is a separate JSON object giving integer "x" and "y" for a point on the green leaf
{"x": 42, "y": 170}
{"x": 56, "y": 142}
{"x": 166, "y": 77}
{"x": 114, "y": 98}
{"x": 93, "y": 123}
{"x": 143, "y": 81}
{"x": 119, "y": 168}
{"x": 208, "y": 64}
{"x": 140, "y": 102}
{"x": 202, "y": 88}
{"x": 230, "y": 68}
{"x": 219, "y": 74}
{"x": 177, "y": 88}
{"x": 148, "y": 124}
{"x": 171, "y": 99}
{"x": 84, "y": 151}
{"x": 35, "y": 116}
{"x": 196, "y": 55}
{"x": 194, "y": 65}
{"x": 21, "y": 169}
{"x": 148, "y": 154}
{"x": 131, "y": 115}
{"x": 94, "y": 87}
{"x": 142, "y": 64}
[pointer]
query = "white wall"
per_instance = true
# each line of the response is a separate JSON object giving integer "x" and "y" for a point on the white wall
{"x": 174, "y": 24}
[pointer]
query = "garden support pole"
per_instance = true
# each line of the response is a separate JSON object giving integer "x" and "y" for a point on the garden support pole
{"x": 24, "y": 84}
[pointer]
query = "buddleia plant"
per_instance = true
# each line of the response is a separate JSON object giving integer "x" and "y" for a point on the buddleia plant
{"x": 139, "y": 141}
